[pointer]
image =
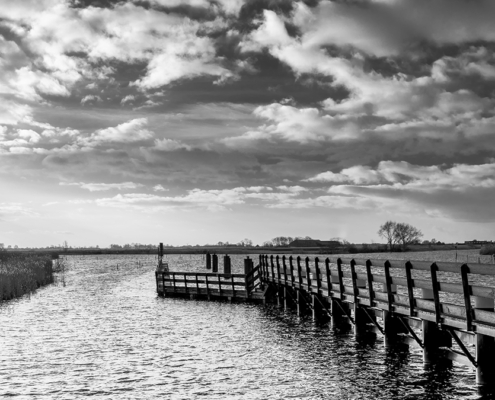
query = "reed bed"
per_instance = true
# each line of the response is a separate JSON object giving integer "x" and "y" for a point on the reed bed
{"x": 23, "y": 273}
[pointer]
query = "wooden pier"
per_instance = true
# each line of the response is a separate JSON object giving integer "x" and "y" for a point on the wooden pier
{"x": 446, "y": 309}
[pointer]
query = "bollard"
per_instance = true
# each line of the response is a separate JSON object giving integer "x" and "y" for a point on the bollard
{"x": 227, "y": 269}
{"x": 248, "y": 266}
{"x": 214, "y": 263}
{"x": 208, "y": 260}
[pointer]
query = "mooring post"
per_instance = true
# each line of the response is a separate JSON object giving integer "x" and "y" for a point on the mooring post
{"x": 227, "y": 268}
{"x": 248, "y": 266}
{"x": 214, "y": 263}
{"x": 208, "y": 260}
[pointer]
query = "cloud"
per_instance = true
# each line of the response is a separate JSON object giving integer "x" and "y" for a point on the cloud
{"x": 292, "y": 124}
{"x": 127, "y": 99}
{"x": 211, "y": 200}
{"x": 15, "y": 210}
{"x": 99, "y": 187}
{"x": 170, "y": 145}
{"x": 127, "y": 132}
{"x": 159, "y": 188}
{"x": 90, "y": 99}
{"x": 432, "y": 190}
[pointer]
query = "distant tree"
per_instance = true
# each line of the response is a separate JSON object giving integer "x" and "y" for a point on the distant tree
{"x": 342, "y": 241}
{"x": 268, "y": 243}
{"x": 282, "y": 240}
{"x": 387, "y": 231}
{"x": 406, "y": 234}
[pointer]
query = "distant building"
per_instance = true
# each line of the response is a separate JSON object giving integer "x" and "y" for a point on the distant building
{"x": 478, "y": 241}
{"x": 314, "y": 243}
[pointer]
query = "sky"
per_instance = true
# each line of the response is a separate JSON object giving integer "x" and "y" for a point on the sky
{"x": 199, "y": 121}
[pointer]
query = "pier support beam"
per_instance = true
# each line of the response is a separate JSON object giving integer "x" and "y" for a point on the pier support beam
{"x": 360, "y": 317}
{"x": 433, "y": 337}
{"x": 485, "y": 348}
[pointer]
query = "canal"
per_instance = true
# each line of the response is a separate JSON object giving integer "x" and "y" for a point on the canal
{"x": 101, "y": 332}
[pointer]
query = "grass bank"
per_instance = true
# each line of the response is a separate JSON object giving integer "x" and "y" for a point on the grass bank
{"x": 23, "y": 273}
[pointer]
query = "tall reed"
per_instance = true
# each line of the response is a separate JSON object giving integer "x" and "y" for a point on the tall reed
{"x": 23, "y": 273}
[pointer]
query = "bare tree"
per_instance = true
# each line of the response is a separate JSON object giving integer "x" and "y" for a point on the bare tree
{"x": 406, "y": 234}
{"x": 387, "y": 231}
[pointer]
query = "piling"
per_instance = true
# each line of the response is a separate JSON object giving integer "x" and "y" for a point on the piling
{"x": 214, "y": 260}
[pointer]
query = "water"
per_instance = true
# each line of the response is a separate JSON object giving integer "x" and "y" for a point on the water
{"x": 102, "y": 332}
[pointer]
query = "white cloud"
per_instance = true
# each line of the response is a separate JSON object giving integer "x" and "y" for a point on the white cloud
{"x": 127, "y": 99}
{"x": 100, "y": 187}
{"x": 90, "y": 98}
{"x": 170, "y": 145}
{"x": 159, "y": 188}
{"x": 127, "y": 132}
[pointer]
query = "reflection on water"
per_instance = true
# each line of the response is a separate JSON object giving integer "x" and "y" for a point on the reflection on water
{"x": 102, "y": 332}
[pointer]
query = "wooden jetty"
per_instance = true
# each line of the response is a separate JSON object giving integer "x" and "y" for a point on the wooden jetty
{"x": 434, "y": 306}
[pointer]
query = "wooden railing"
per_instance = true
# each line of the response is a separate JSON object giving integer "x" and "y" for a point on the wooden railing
{"x": 208, "y": 284}
{"x": 376, "y": 287}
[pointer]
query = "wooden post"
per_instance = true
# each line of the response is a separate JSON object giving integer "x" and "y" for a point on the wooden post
{"x": 279, "y": 291}
{"x": 227, "y": 266}
{"x": 485, "y": 346}
{"x": 360, "y": 317}
{"x": 433, "y": 337}
{"x": 208, "y": 260}
{"x": 391, "y": 325}
{"x": 315, "y": 294}
{"x": 214, "y": 263}
{"x": 248, "y": 266}
{"x": 272, "y": 267}
{"x": 338, "y": 315}
{"x": 300, "y": 304}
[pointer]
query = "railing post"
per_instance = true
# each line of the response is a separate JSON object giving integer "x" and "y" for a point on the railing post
{"x": 300, "y": 306}
{"x": 278, "y": 287}
{"x": 410, "y": 291}
{"x": 391, "y": 325}
{"x": 272, "y": 266}
{"x": 292, "y": 277}
{"x": 315, "y": 295}
{"x": 308, "y": 275}
{"x": 360, "y": 317}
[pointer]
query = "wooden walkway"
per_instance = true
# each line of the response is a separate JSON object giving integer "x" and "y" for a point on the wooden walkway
{"x": 446, "y": 309}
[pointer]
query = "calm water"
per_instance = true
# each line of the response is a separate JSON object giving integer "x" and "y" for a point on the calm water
{"x": 102, "y": 332}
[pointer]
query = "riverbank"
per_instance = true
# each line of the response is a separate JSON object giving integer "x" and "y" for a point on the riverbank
{"x": 23, "y": 273}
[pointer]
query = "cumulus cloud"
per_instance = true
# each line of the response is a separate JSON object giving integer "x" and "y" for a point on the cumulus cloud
{"x": 127, "y": 132}
{"x": 170, "y": 145}
{"x": 90, "y": 98}
{"x": 433, "y": 190}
